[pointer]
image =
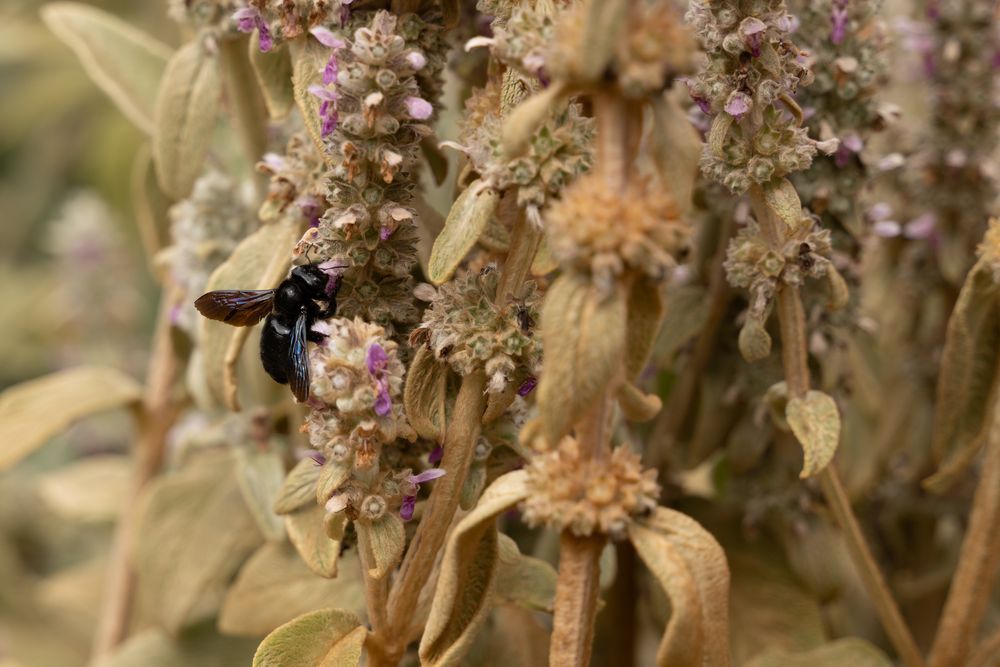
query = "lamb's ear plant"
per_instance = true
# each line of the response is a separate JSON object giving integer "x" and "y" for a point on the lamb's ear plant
{"x": 624, "y": 334}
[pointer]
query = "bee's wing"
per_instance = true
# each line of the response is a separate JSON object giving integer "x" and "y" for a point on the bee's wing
{"x": 298, "y": 361}
{"x": 241, "y": 308}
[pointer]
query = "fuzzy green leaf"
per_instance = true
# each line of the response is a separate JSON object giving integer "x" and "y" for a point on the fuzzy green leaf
{"x": 645, "y": 314}
{"x": 299, "y": 487}
{"x": 465, "y": 588}
{"x": 424, "y": 395}
{"x": 308, "y": 534}
{"x": 273, "y": 71}
{"x": 383, "y": 541}
{"x": 326, "y": 638}
{"x": 968, "y": 376}
{"x": 637, "y": 405}
{"x": 34, "y": 411}
{"x": 199, "y": 646}
{"x": 584, "y": 335}
{"x": 815, "y": 422}
{"x": 847, "y": 652}
{"x": 782, "y": 198}
{"x": 691, "y": 567}
{"x": 260, "y": 261}
{"x": 525, "y": 119}
{"x": 260, "y": 476}
{"x": 308, "y": 58}
{"x": 124, "y": 62}
{"x": 718, "y": 132}
{"x": 275, "y": 586}
{"x": 465, "y": 223}
{"x": 184, "y": 117}
{"x": 194, "y": 533}
{"x": 676, "y": 149}
{"x": 524, "y": 580}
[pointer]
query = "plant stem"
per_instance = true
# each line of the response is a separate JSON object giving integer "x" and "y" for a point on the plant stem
{"x": 791, "y": 319}
{"x": 246, "y": 104}
{"x": 155, "y": 417}
{"x": 576, "y": 600}
{"x": 987, "y": 654}
{"x": 376, "y": 590}
{"x": 978, "y": 562}
{"x": 577, "y": 587}
{"x": 459, "y": 446}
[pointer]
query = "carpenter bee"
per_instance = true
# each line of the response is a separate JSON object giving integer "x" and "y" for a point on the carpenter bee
{"x": 288, "y": 313}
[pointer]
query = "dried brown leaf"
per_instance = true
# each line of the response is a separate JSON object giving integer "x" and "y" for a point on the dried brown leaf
{"x": 646, "y": 309}
{"x": 260, "y": 476}
{"x": 676, "y": 148}
{"x": 463, "y": 597}
{"x": 691, "y": 567}
{"x": 782, "y": 198}
{"x": 637, "y": 405}
{"x": 584, "y": 335}
{"x": 847, "y": 652}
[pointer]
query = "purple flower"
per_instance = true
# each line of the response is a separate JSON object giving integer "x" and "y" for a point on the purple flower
{"x": 410, "y": 499}
{"x": 384, "y": 233}
{"x": 738, "y": 104}
{"x": 377, "y": 361}
{"x": 327, "y": 108}
{"x": 436, "y": 455}
{"x": 838, "y": 17}
{"x": 527, "y": 386}
{"x": 703, "y": 104}
{"x": 326, "y": 37}
{"x": 249, "y": 18}
{"x": 246, "y": 19}
{"x": 418, "y": 108}
{"x": 921, "y": 227}
{"x": 317, "y": 457}
{"x": 753, "y": 30}
{"x": 850, "y": 145}
{"x": 416, "y": 60}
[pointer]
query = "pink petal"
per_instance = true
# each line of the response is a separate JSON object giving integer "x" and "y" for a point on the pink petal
{"x": 326, "y": 37}
{"x": 427, "y": 475}
{"x": 418, "y": 108}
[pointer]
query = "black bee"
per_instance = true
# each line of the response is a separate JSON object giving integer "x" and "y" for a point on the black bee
{"x": 290, "y": 311}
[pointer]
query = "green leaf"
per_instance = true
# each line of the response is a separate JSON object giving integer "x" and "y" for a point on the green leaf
{"x": 299, "y": 487}
{"x": 200, "y": 646}
{"x": 194, "y": 532}
{"x": 523, "y": 580}
{"x": 967, "y": 377}
{"x": 260, "y": 476}
{"x": 847, "y": 652}
{"x": 308, "y": 534}
{"x": 326, "y": 638}
{"x": 524, "y": 120}
{"x": 782, "y": 198}
{"x": 676, "y": 149}
{"x": 34, "y": 411}
{"x": 584, "y": 336}
{"x": 383, "y": 542}
{"x": 686, "y": 310}
{"x": 645, "y": 314}
{"x": 424, "y": 395}
{"x": 718, "y": 132}
{"x": 275, "y": 586}
{"x": 816, "y": 424}
{"x": 463, "y": 597}
{"x": 91, "y": 489}
{"x": 273, "y": 71}
{"x": 124, "y": 62}
{"x": 691, "y": 567}
{"x": 184, "y": 117}
{"x": 466, "y": 221}
{"x": 260, "y": 261}
{"x": 308, "y": 59}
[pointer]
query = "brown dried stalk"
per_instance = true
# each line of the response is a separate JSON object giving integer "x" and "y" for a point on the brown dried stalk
{"x": 978, "y": 564}
{"x": 156, "y": 415}
{"x": 459, "y": 446}
{"x": 794, "y": 348}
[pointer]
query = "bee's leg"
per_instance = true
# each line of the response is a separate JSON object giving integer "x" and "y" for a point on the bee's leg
{"x": 315, "y": 336}
{"x": 331, "y": 308}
